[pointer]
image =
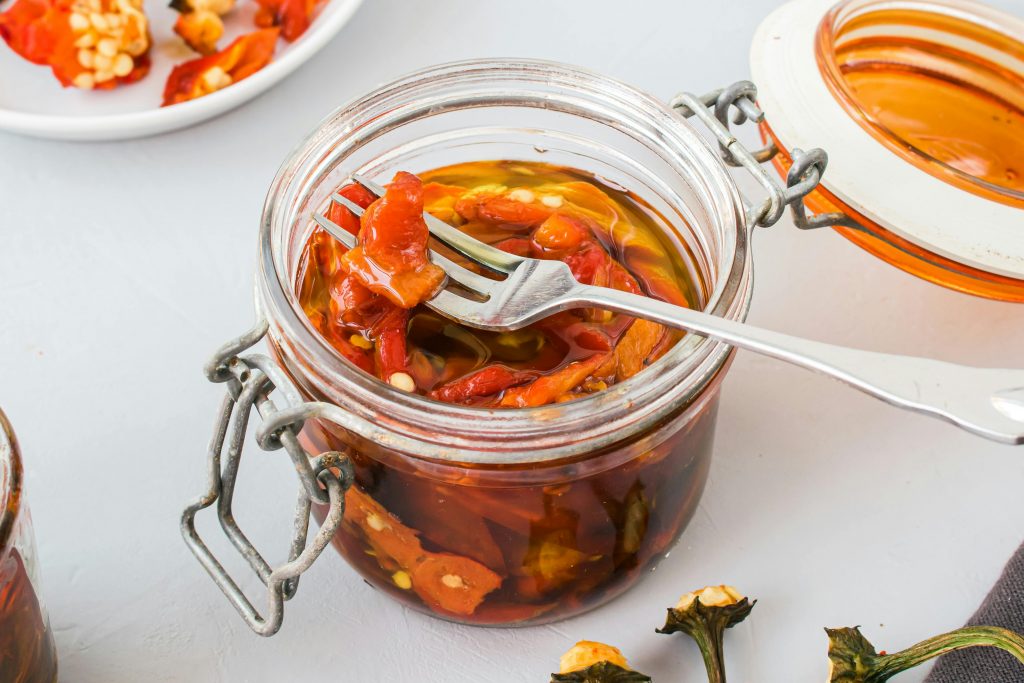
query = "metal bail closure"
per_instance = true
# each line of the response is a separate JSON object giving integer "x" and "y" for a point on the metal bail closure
{"x": 804, "y": 176}
{"x": 250, "y": 380}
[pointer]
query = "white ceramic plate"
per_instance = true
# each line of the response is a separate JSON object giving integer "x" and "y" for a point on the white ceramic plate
{"x": 32, "y": 101}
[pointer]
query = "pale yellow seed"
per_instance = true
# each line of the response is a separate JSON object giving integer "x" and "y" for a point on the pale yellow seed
{"x": 375, "y": 522}
{"x": 85, "y": 81}
{"x": 86, "y": 40}
{"x": 552, "y": 201}
{"x": 107, "y": 47}
{"x": 78, "y": 21}
{"x": 103, "y": 76}
{"x": 123, "y": 65}
{"x": 402, "y": 580}
{"x": 521, "y": 195}
{"x": 403, "y": 381}
{"x": 103, "y": 63}
{"x": 216, "y": 78}
{"x": 113, "y": 20}
{"x": 136, "y": 47}
{"x": 361, "y": 341}
{"x": 453, "y": 581}
{"x": 87, "y": 58}
{"x": 98, "y": 21}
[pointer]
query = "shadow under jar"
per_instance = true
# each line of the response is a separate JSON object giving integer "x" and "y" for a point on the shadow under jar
{"x": 529, "y": 515}
{"x": 27, "y": 654}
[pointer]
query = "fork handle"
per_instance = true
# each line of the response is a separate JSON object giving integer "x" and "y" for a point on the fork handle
{"x": 988, "y": 402}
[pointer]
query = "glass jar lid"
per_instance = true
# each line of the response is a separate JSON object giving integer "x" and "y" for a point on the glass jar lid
{"x": 921, "y": 104}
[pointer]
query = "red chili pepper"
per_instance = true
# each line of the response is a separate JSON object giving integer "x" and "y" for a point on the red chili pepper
{"x": 561, "y": 232}
{"x": 588, "y": 337}
{"x": 293, "y": 16}
{"x": 549, "y": 388}
{"x": 32, "y": 28}
{"x": 588, "y": 263}
{"x": 355, "y": 355}
{"x": 391, "y": 258}
{"x": 502, "y": 211}
{"x": 63, "y": 35}
{"x": 356, "y": 309}
{"x": 635, "y": 347}
{"x": 239, "y": 60}
{"x": 391, "y": 353}
{"x": 439, "y": 200}
{"x": 520, "y": 246}
{"x": 339, "y": 215}
{"x": 486, "y": 381}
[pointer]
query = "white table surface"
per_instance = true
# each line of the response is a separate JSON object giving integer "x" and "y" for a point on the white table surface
{"x": 123, "y": 266}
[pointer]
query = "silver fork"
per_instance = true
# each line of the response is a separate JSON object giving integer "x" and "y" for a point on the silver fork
{"x": 987, "y": 402}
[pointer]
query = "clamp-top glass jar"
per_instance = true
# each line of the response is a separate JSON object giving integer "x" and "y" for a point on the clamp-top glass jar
{"x": 526, "y": 515}
{"x": 521, "y": 516}
{"x": 491, "y": 516}
{"x": 27, "y": 654}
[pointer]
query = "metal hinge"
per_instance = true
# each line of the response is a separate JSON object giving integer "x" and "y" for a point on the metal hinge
{"x": 804, "y": 175}
{"x": 323, "y": 479}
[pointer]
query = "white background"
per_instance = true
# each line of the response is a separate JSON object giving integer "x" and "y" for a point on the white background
{"x": 123, "y": 266}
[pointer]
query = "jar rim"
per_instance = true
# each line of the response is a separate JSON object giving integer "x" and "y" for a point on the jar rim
{"x": 485, "y": 435}
{"x": 10, "y": 483}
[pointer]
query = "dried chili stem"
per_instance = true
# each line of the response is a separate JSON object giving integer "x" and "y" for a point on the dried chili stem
{"x": 704, "y": 615}
{"x": 854, "y": 659}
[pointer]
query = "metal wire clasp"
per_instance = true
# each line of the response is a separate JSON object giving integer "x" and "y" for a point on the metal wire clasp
{"x": 250, "y": 380}
{"x": 808, "y": 167}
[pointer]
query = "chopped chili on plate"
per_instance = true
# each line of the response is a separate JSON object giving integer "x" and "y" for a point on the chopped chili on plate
{"x": 204, "y": 75}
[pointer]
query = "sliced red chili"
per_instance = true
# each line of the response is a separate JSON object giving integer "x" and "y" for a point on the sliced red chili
{"x": 487, "y": 381}
{"x": 439, "y": 200}
{"x": 549, "y": 388}
{"x": 340, "y": 215}
{"x": 634, "y": 348}
{"x": 239, "y": 60}
{"x": 391, "y": 258}
{"x": 32, "y": 27}
{"x": 390, "y": 349}
{"x": 501, "y": 210}
{"x": 451, "y": 583}
{"x": 51, "y": 33}
{"x": 560, "y": 232}
{"x": 520, "y": 246}
{"x": 293, "y": 16}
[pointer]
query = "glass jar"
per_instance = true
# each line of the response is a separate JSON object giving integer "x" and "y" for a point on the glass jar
{"x": 913, "y": 90}
{"x": 27, "y": 653}
{"x": 525, "y": 516}
{"x": 530, "y": 515}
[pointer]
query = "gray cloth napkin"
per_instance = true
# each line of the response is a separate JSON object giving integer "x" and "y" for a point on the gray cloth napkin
{"x": 1004, "y": 607}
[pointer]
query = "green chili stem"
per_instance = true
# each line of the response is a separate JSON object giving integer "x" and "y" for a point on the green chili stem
{"x": 969, "y": 636}
{"x": 711, "y": 646}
